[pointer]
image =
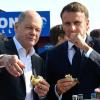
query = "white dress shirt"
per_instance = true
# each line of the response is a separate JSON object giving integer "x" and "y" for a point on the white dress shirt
{"x": 26, "y": 59}
{"x": 71, "y": 51}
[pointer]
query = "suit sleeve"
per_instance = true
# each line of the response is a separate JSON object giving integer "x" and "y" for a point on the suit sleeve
{"x": 95, "y": 57}
{"x": 95, "y": 54}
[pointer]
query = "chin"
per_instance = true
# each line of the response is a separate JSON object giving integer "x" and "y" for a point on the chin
{"x": 32, "y": 43}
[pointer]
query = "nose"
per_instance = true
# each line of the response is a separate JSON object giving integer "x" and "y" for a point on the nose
{"x": 72, "y": 27}
{"x": 33, "y": 31}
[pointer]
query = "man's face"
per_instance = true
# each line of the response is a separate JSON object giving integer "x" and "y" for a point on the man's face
{"x": 28, "y": 31}
{"x": 75, "y": 22}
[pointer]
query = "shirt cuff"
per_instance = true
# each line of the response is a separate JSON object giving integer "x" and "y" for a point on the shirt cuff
{"x": 59, "y": 97}
{"x": 88, "y": 52}
{"x": 40, "y": 98}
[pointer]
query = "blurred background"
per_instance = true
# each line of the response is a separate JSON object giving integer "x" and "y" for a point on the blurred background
{"x": 53, "y": 7}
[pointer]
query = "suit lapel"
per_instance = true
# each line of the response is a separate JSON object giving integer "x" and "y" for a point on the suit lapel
{"x": 35, "y": 65}
{"x": 65, "y": 53}
{"x": 64, "y": 57}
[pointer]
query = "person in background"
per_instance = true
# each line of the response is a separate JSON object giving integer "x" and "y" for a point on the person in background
{"x": 57, "y": 36}
{"x": 77, "y": 58}
{"x": 95, "y": 33}
{"x": 20, "y": 61}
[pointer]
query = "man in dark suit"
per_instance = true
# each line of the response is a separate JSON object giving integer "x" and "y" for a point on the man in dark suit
{"x": 22, "y": 61}
{"x": 79, "y": 57}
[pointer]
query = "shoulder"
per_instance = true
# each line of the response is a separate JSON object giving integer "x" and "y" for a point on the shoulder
{"x": 95, "y": 43}
{"x": 59, "y": 48}
{"x": 57, "y": 51}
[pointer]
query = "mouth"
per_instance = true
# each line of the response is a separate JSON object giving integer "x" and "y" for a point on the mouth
{"x": 32, "y": 39}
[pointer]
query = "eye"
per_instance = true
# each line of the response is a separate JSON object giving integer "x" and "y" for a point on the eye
{"x": 77, "y": 23}
{"x": 28, "y": 27}
{"x": 37, "y": 29}
{"x": 67, "y": 23}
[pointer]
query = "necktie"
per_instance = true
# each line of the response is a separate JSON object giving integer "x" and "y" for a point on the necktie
{"x": 76, "y": 61}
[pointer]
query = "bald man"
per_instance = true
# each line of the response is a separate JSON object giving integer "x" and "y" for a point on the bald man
{"x": 15, "y": 76}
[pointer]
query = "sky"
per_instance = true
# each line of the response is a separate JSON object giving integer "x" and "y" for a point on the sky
{"x": 55, "y": 7}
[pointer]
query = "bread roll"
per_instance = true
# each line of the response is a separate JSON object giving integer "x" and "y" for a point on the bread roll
{"x": 35, "y": 79}
{"x": 69, "y": 77}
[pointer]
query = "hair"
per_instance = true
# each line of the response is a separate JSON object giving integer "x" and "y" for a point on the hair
{"x": 55, "y": 32}
{"x": 75, "y": 7}
{"x": 2, "y": 10}
{"x": 95, "y": 33}
{"x": 21, "y": 16}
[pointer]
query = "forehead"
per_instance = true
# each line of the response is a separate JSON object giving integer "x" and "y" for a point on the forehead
{"x": 73, "y": 16}
{"x": 32, "y": 20}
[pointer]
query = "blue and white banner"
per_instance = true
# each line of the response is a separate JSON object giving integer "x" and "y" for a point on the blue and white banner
{"x": 8, "y": 19}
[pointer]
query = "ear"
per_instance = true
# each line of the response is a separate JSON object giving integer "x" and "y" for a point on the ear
{"x": 16, "y": 26}
{"x": 88, "y": 24}
{"x": 59, "y": 38}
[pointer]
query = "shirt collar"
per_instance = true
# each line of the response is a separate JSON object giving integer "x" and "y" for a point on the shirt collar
{"x": 70, "y": 44}
{"x": 19, "y": 47}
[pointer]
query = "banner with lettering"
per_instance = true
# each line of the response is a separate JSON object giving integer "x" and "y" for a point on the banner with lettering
{"x": 8, "y": 19}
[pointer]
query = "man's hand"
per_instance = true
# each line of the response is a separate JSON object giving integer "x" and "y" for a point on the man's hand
{"x": 63, "y": 85}
{"x": 12, "y": 64}
{"x": 42, "y": 88}
{"x": 79, "y": 41}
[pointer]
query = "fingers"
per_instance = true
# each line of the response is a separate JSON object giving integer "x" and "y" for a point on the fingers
{"x": 42, "y": 88}
{"x": 13, "y": 65}
{"x": 14, "y": 69}
{"x": 14, "y": 59}
{"x": 77, "y": 39}
{"x": 19, "y": 62}
{"x": 64, "y": 85}
{"x": 45, "y": 86}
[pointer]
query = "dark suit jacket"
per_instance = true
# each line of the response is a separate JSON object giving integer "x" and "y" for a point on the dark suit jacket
{"x": 58, "y": 66}
{"x": 13, "y": 88}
